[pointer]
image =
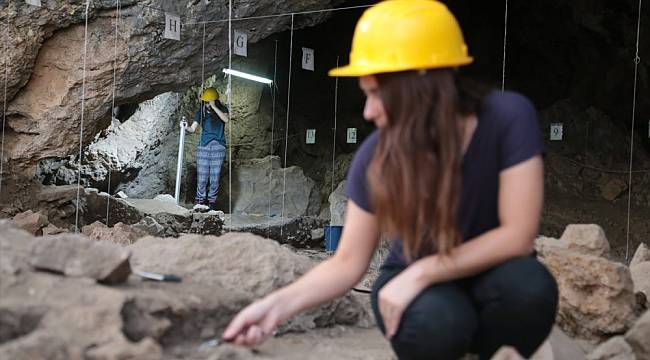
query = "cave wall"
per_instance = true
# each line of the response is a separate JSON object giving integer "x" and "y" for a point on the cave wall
{"x": 44, "y": 53}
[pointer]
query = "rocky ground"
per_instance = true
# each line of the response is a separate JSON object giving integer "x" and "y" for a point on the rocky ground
{"x": 79, "y": 296}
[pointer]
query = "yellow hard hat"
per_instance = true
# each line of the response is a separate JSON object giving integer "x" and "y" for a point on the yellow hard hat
{"x": 210, "y": 94}
{"x": 400, "y": 35}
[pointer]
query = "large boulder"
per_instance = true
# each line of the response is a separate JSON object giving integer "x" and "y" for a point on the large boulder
{"x": 596, "y": 294}
{"x": 260, "y": 188}
{"x": 338, "y": 202}
{"x": 582, "y": 238}
{"x": 248, "y": 263}
{"x": 76, "y": 255}
{"x": 31, "y": 222}
{"x": 586, "y": 239}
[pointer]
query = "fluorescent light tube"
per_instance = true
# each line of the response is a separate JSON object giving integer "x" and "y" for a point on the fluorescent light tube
{"x": 247, "y": 76}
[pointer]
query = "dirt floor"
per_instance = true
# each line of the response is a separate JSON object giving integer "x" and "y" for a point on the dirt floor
{"x": 561, "y": 210}
{"x": 340, "y": 342}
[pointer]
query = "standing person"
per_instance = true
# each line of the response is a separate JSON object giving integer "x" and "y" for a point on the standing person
{"x": 455, "y": 177}
{"x": 211, "y": 151}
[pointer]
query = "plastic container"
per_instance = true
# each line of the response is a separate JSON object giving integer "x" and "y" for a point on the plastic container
{"x": 332, "y": 237}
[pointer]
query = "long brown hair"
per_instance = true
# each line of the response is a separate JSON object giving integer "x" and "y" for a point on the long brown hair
{"x": 415, "y": 174}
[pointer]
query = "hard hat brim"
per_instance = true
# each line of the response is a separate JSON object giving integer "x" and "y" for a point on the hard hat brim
{"x": 363, "y": 70}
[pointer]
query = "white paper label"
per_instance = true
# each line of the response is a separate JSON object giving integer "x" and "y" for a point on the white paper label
{"x": 240, "y": 46}
{"x": 556, "y": 131}
{"x": 172, "y": 27}
{"x": 311, "y": 136}
{"x": 308, "y": 59}
{"x": 34, "y": 2}
{"x": 352, "y": 135}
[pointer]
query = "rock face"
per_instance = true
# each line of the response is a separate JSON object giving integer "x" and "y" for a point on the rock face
{"x": 46, "y": 69}
{"x": 126, "y": 150}
{"x": 260, "y": 181}
{"x": 596, "y": 294}
{"x": 74, "y": 255}
{"x": 250, "y": 264}
{"x": 44, "y": 315}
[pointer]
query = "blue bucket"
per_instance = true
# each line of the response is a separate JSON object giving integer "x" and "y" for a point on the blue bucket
{"x": 332, "y": 237}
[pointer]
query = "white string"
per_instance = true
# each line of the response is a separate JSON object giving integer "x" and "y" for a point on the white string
{"x": 637, "y": 60}
{"x": 230, "y": 115}
{"x": 273, "y": 90}
{"x": 336, "y": 98}
{"x": 286, "y": 129}
{"x": 505, "y": 38}
{"x": 277, "y": 15}
{"x": 81, "y": 127}
{"x": 202, "y": 78}
{"x": 108, "y": 187}
{"x": 4, "y": 106}
{"x": 203, "y": 60}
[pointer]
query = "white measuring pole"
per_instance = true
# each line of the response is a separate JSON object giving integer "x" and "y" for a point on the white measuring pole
{"x": 179, "y": 166}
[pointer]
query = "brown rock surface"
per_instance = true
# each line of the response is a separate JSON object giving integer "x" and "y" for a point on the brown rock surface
{"x": 76, "y": 255}
{"x": 52, "y": 229}
{"x": 120, "y": 233}
{"x": 249, "y": 263}
{"x": 596, "y": 298}
{"x": 613, "y": 189}
{"x": 586, "y": 239}
{"x": 31, "y": 222}
{"x": 15, "y": 246}
{"x": 47, "y": 316}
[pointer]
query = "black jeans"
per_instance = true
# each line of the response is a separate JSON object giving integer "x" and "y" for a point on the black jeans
{"x": 514, "y": 304}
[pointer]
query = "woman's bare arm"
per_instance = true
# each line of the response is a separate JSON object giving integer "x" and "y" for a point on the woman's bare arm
{"x": 521, "y": 193}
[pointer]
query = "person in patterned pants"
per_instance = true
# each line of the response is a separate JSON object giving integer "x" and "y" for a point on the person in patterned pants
{"x": 212, "y": 147}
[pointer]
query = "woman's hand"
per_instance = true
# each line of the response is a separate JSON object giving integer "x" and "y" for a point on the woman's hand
{"x": 256, "y": 322}
{"x": 396, "y": 296}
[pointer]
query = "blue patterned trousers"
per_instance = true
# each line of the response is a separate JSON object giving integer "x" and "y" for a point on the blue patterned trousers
{"x": 209, "y": 159}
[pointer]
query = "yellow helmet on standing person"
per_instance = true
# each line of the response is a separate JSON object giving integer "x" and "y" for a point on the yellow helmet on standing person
{"x": 401, "y": 35}
{"x": 210, "y": 94}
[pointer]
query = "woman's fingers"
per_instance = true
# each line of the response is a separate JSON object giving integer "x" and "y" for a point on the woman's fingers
{"x": 391, "y": 317}
{"x": 252, "y": 325}
{"x": 270, "y": 322}
{"x": 254, "y": 335}
{"x": 237, "y": 325}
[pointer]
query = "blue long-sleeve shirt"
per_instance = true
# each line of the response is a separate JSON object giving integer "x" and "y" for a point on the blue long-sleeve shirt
{"x": 212, "y": 127}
